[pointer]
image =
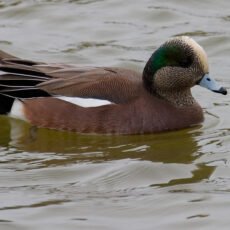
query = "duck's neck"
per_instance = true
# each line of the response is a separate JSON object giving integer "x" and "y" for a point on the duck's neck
{"x": 178, "y": 98}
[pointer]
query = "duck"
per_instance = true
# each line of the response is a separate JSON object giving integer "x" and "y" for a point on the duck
{"x": 109, "y": 100}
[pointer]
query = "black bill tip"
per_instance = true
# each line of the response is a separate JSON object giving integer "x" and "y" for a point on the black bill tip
{"x": 222, "y": 90}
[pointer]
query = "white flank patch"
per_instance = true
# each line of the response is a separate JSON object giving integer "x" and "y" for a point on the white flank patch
{"x": 85, "y": 102}
{"x": 17, "y": 110}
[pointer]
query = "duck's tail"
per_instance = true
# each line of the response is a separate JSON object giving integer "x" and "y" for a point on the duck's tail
{"x": 18, "y": 80}
{"x": 5, "y": 104}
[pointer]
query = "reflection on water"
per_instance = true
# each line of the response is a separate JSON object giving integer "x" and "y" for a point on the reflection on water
{"x": 59, "y": 180}
{"x": 69, "y": 147}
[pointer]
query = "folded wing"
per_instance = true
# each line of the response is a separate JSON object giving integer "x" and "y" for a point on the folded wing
{"x": 27, "y": 79}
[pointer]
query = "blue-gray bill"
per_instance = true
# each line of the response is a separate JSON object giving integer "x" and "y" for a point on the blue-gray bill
{"x": 209, "y": 83}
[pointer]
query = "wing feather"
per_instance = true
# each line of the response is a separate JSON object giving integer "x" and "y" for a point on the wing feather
{"x": 114, "y": 84}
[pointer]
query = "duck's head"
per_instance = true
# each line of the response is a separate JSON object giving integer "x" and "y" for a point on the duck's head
{"x": 176, "y": 66}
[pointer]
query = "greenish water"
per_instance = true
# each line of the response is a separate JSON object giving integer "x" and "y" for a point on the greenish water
{"x": 59, "y": 180}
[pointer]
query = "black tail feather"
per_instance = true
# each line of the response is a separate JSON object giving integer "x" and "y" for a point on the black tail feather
{"x": 19, "y": 80}
{"x": 23, "y": 71}
{"x": 13, "y": 60}
{"x": 6, "y": 103}
{"x": 24, "y": 93}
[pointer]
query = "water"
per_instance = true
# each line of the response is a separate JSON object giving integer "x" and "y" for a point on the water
{"x": 59, "y": 180}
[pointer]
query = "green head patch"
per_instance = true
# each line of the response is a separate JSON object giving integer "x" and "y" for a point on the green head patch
{"x": 170, "y": 54}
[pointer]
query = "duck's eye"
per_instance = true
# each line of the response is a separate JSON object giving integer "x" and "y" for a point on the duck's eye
{"x": 186, "y": 62}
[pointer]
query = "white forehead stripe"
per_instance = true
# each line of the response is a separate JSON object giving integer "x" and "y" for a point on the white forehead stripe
{"x": 201, "y": 54}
